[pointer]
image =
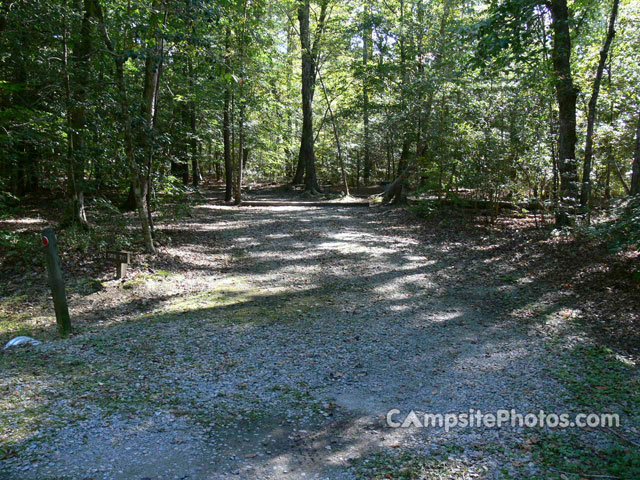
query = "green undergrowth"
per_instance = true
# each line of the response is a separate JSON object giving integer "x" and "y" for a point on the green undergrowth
{"x": 598, "y": 378}
{"x": 565, "y": 455}
{"x": 617, "y": 227}
{"x": 599, "y": 381}
{"x": 20, "y": 249}
{"x": 174, "y": 199}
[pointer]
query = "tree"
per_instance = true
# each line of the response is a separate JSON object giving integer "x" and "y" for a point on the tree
{"x": 226, "y": 122}
{"x": 310, "y": 56}
{"x": 591, "y": 115}
{"x": 510, "y": 28}
{"x": 78, "y": 115}
{"x": 367, "y": 33}
{"x": 566, "y": 95}
{"x": 138, "y": 144}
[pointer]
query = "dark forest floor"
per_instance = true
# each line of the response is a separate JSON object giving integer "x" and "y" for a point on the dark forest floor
{"x": 268, "y": 342}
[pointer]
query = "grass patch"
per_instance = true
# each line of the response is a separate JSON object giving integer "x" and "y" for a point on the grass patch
{"x": 412, "y": 466}
{"x": 17, "y": 318}
{"x": 144, "y": 278}
{"x": 244, "y": 302}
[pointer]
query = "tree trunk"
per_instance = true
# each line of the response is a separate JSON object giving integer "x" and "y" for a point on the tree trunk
{"x": 395, "y": 190}
{"x": 366, "y": 46}
{"x": 566, "y": 95}
{"x": 136, "y": 164}
{"x": 345, "y": 183}
{"x": 146, "y": 131}
{"x": 77, "y": 144}
{"x": 193, "y": 141}
{"x": 240, "y": 157}
{"x": 300, "y": 169}
{"x": 635, "y": 178}
{"x": 307, "y": 154}
{"x": 226, "y": 126}
{"x": 242, "y": 150}
{"x": 591, "y": 116}
{"x": 309, "y": 70}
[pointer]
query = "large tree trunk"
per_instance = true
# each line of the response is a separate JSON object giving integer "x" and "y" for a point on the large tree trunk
{"x": 310, "y": 55}
{"x": 591, "y": 116}
{"x": 566, "y": 95}
{"x": 307, "y": 154}
{"x": 300, "y": 169}
{"x": 635, "y": 178}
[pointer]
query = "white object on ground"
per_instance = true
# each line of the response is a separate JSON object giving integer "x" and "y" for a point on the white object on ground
{"x": 18, "y": 341}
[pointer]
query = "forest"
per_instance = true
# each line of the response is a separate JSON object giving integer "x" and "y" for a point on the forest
{"x": 509, "y": 100}
{"x": 321, "y": 212}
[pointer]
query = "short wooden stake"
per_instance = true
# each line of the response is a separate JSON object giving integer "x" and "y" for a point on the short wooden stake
{"x": 56, "y": 282}
{"x": 121, "y": 259}
{"x": 121, "y": 271}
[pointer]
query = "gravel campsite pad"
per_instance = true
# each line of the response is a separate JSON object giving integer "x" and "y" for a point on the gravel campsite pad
{"x": 274, "y": 344}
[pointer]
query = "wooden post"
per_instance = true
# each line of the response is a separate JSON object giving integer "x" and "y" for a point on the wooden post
{"x": 121, "y": 272}
{"x": 121, "y": 259}
{"x": 50, "y": 245}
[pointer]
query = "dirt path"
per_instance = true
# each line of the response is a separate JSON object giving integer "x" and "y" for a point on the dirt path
{"x": 273, "y": 346}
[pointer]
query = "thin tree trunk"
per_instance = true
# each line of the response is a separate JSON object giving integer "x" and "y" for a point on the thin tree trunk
{"x": 591, "y": 116}
{"x": 635, "y": 178}
{"x": 343, "y": 173}
{"x": 607, "y": 180}
{"x": 139, "y": 182}
{"x": 195, "y": 161}
{"x": 241, "y": 127}
{"x": 146, "y": 132}
{"x": 552, "y": 124}
{"x": 240, "y": 157}
{"x": 226, "y": 126}
{"x": 366, "y": 46}
{"x": 78, "y": 117}
{"x": 389, "y": 160}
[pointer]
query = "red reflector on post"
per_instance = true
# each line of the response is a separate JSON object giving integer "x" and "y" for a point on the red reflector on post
{"x": 45, "y": 241}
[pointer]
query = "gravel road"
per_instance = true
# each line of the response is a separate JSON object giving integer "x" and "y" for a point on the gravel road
{"x": 274, "y": 346}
